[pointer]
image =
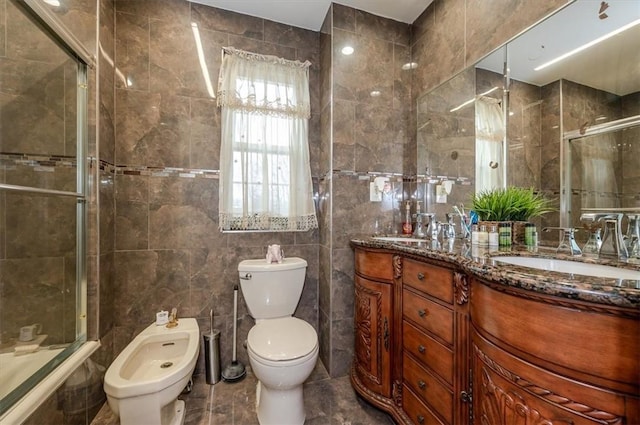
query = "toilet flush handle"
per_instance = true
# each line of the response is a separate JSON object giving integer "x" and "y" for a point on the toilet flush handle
{"x": 247, "y": 276}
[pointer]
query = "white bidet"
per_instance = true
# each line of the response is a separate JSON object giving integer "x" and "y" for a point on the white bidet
{"x": 144, "y": 381}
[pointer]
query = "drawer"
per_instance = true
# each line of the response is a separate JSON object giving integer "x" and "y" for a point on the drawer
{"x": 416, "y": 410}
{"x": 374, "y": 265}
{"x": 429, "y": 315}
{"x": 428, "y": 351}
{"x": 433, "y": 280}
{"x": 428, "y": 388}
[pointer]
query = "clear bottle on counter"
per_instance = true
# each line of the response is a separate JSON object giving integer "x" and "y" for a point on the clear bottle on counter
{"x": 483, "y": 236}
{"x": 494, "y": 240}
{"x": 474, "y": 234}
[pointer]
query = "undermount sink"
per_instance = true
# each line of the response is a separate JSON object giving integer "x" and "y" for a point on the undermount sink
{"x": 397, "y": 239}
{"x": 571, "y": 267}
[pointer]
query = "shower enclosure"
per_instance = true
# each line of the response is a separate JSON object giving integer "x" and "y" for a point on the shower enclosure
{"x": 600, "y": 170}
{"x": 43, "y": 109}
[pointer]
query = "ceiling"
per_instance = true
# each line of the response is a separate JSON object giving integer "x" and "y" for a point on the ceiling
{"x": 310, "y": 14}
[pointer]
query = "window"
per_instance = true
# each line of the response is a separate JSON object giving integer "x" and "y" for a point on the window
{"x": 265, "y": 177}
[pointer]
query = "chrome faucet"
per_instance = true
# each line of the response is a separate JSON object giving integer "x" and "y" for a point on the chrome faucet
{"x": 419, "y": 231}
{"x": 567, "y": 241}
{"x": 633, "y": 235}
{"x": 612, "y": 241}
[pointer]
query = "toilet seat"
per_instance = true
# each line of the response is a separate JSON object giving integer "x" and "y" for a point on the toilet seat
{"x": 282, "y": 340}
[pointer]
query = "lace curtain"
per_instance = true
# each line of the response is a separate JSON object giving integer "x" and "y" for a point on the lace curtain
{"x": 490, "y": 132}
{"x": 265, "y": 176}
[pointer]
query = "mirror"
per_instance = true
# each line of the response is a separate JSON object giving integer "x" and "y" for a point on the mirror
{"x": 501, "y": 122}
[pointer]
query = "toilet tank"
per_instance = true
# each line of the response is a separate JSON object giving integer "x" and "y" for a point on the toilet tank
{"x": 272, "y": 290}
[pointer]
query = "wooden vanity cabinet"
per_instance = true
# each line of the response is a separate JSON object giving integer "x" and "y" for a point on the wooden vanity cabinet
{"x": 410, "y": 337}
{"x": 373, "y": 320}
{"x": 542, "y": 360}
{"x": 435, "y": 346}
{"x": 434, "y": 329}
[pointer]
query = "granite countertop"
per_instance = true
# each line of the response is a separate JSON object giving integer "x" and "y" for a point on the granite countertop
{"x": 478, "y": 261}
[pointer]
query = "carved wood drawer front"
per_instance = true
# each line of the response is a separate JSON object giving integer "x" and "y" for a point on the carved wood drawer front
{"x": 602, "y": 347}
{"x": 375, "y": 265}
{"x": 428, "y": 388}
{"x": 433, "y": 280}
{"x": 416, "y": 410}
{"x": 428, "y": 351}
{"x": 428, "y": 315}
{"x": 518, "y": 388}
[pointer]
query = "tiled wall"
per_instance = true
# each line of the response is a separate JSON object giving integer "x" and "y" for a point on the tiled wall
{"x": 168, "y": 250}
{"x": 365, "y": 116}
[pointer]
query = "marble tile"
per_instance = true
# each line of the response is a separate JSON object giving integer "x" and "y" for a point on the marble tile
{"x": 342, "y": 286}
{"x": 205, "y": 136}
{"x": 489, "y": 27}
{"x": 369, "y": 69}
{"x": 44, "y": 280}
{"x": 37, "y": 87}
{"x": 25, "y": 41}
{"x": 152, "y": 129}
{"x": 344, "y": 17}
{"x": 342, "y": 336}
{"x": 132, "y": 51}
{"x": 3, "y": 28}
{"x": 373, "y": 26}
{"x": 182, "y": 74}
{"x": 107, "y": 307}
{"x": 344, "y": 138}
{"x": 226, "y": 21}
{"x": 287, "y": 35}
{"x": 149, "y": 281}
{"x": 107, "y": 212}
{"x": 380, "y": 136}
{"x": 183, "y": 213}
{"x": 177, "y": 11}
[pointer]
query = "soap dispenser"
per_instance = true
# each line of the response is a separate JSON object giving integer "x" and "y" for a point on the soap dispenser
{"x": 406, "y": 223}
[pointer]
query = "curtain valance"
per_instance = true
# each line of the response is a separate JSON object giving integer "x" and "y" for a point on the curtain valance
{"x": 264, "y": 84}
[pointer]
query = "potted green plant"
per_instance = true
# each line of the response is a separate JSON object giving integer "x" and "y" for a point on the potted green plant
{"x": 512, "y": 204}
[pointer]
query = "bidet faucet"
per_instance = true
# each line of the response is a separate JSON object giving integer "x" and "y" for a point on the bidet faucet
{"x": 173, "y": 318}
{"x": 568, "y": 240}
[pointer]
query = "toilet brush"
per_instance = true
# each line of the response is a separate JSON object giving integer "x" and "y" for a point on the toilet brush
{"x": 234, "y": 372}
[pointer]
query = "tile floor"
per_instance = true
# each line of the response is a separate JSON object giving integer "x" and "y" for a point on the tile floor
{"x": 327, "y": 402}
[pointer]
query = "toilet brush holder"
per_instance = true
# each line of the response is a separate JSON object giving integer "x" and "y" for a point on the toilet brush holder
{"x": 212, "y": 357}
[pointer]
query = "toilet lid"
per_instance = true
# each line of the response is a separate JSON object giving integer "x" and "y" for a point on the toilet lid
{"x": 280, "y": 339}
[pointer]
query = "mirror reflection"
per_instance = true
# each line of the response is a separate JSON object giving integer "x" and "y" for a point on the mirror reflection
{"x": 504, "y": 121}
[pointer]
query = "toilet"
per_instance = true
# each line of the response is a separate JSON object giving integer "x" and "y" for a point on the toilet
{"x": 283, "y": 350}
{"x": 144, "y": 381}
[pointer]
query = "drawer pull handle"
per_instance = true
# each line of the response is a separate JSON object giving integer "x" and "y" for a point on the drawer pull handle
{"x": 420, "y": 276}
{"x": 422, "y": 384}
{"x": 422, "y": 312}
{"x": 421, "y": 349}
{"x": 420, "y": 419}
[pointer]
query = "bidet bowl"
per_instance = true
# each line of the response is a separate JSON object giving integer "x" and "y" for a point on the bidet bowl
{"x": 156, "y": 359}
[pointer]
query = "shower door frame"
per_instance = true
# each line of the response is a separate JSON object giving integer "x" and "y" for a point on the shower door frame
{"x": 71, "y": 45}
{"x": 566, "y": 154}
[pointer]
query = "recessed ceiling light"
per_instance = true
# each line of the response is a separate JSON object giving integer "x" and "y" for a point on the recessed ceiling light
{"x": 347, "y": 50}
{"x": 375, "y": 93}
{"x": 409, "y": 65}
{"x": 54, "y": 3}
